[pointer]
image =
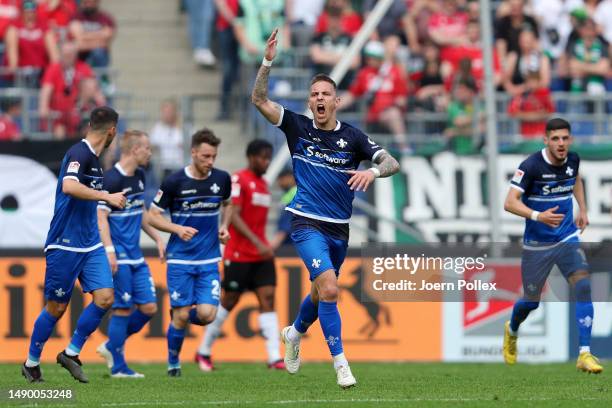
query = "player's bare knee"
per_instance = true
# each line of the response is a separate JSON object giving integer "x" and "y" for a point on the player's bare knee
{"x": 180, "y": 317}
{"x": 148, "y": 308}
{"x": 328, "y": 292}
{"x": 104, "y": 298}
{"x": 56, "y": 309}
{"x": 229, "y": 300}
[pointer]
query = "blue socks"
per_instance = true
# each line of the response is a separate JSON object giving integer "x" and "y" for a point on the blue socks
{"x": 137, "y": 322}
{"x": 521, "y": 310}
{"x": 331, "y": 325}
{"x": 88, "y": 322}
{"x": 43, "y": 327}
{"x": 193, "y": 317}
{"x": 175, "y": 342}
{"x": 307, "y": 315}
{"x": 117, "y": 333}
{"x": 584, "y": 312}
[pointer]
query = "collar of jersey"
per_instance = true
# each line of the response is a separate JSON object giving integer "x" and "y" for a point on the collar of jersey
{"x": 90, "y": 148}
{"x": 120, "y": 169}
{"x": 191, "y": 176}
{"x": 548, "y": 161}
{"x": 335, "y": 129}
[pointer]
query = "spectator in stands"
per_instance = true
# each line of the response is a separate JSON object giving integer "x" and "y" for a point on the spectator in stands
{"x": 465, "y": 120}
{"x": 382, "y": 84}
{"x": 555, "y": 24}
{"x": 417, "y": 22}
{"x": 508, "y": 29}
{"x": 393, "y": 28}
{"x": 61, "y": 85}
{"x": 448, "y": 26}
{"x": 29, "y": 43}
{"x": 589, "y": 62}
{"x": 9, "y": 14}
{"x": 302, "y": 17}
{"x": 528, "y": 58}
{"x": 429, "y": 90}
{"x": 286, "y": 182}
{"x": 10, "y": 119}
{"x": 227, "y": 11}
{"x": 472, "y": 49}
{"x": 254, "y": 24}
{"x": 329, "y": 47}
{"x": 93, "y": 30}
{"x": 351, "y": 20}
{"x": 603, "y": 18}
{"x": 57, "y": 15}
{"x": 168, "y": 138}
{"x": 532, "y": 107}
{"x": 200, "y": 15}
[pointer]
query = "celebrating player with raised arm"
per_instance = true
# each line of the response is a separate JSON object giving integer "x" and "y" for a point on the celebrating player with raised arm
{"x": 541, "y": 192}
{"x": 194, "y": 197}
{"x": 73, "y": 248}
{"x": 120, "y": 231}
{"x": 326, "y": 154}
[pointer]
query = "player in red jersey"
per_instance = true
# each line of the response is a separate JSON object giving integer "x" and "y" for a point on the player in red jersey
{"x": 248, "y": 257}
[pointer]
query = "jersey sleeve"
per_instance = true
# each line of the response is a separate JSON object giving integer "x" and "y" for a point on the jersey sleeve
{"x": 76, "y": 163}
{"x": 289, "y": 123}
{"x": 523, "y": 177}
{"x": 165, "y": 195}
{"x": 237, "y": 190}
{"x": 366, "y": 148}
{"x": 227, "y": 187}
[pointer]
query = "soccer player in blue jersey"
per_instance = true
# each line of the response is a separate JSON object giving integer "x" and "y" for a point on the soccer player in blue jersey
{"x": 73, "y": 248}
{"x": 120, "y": 232}
{"x": 326, "y": 154}
{"x": 541, "y": 192}
{"x": 194, "y": 196}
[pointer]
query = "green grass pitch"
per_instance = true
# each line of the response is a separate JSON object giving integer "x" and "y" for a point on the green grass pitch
{"x": 379, "y": 384}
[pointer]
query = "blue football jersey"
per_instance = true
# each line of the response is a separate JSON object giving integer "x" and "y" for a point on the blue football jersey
{"x": 194, "y": 203}
{"x": 125, "y": 223}
{"x": 74, "y": 226}
{"x": 321, "y": 159}
{"x": 545, "y": 186}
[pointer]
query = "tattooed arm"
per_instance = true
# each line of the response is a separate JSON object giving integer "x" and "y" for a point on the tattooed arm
{"x": 259, "y": 97}
{"x": 361, "y": 179}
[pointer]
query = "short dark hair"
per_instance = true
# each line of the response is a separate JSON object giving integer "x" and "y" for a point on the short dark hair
{"x": 557, "y": 124}
{"x": 204, "y": 136}
{"x": 324, "y": 78}
{"x": 285, "y": 172}
{"x": 255, "y": 147}
{"x": 103, "y": 118}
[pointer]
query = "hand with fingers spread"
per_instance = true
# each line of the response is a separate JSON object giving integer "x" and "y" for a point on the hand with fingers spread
{"x": 271, "y": 44}
{"x": 360, "y": 179}
{"x": 550, "y": 218}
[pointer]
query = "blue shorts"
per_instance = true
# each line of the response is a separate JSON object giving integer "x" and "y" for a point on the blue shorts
{"x": 64, "y": 267}
{"x": 536, "y": 264}
{"x": 319, "y": 252}
{"x": 133, "y": 285}
{"x": 193, "y": 284}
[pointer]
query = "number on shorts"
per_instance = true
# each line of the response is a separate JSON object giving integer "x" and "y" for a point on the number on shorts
{"x": 216, "y": 288}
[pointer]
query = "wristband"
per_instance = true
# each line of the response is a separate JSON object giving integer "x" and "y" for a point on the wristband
{"x": 109, "y": 249}
{"x": 375, "y": 171}
{"x": 534, "y": 215}
{"x": 266, "y": 62}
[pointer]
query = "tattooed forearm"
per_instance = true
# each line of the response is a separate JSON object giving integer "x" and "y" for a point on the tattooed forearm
{"x": 260, "y": 89}
{"x": 386, "y": 164}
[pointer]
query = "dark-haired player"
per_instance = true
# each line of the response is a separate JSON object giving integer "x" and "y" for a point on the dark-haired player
{"x": 326, "y": 154}
{"x": 74, "y": 249}
{"x": 248, "y": 257}
{"x": 541, "y": 192}
{"x": 194, "y": 197}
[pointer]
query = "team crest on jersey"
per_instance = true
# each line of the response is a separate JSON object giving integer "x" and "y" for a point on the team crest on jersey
{"x": 342, "y": 143}
{"x": 215, "y": 188}
{"x": 569, "y": 171}
{"x": 140, "y": 185}
{"x": 73, "y": 167}
{"x": 235, "y": 178}
{"x": 158, "y": 196}
{"x": 518, "y": 176}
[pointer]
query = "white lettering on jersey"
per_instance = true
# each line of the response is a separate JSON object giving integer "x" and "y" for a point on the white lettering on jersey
{"x": 73, "y": 167}
{"x": 193, "y": 191}
{"x": 559, "y": 189}
{"x": 518, "y": 176}
{"x": 262, "y": 200}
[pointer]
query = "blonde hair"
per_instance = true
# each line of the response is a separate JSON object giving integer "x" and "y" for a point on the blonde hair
{"x": 131, "y": 138}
